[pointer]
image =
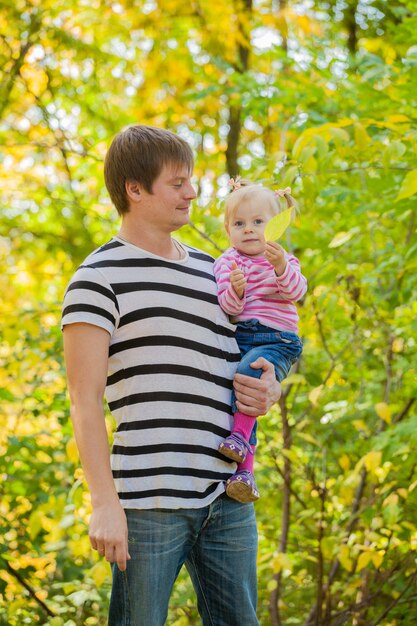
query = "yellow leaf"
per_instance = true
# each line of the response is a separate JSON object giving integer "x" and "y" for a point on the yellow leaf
{"x": 340, "y": 239}
{"x": 403, "y": 492}
{"x": 398, "y": 345}
{"x": 309, "y": 438}
{"x": 314, "y": 394}
{"x": 362, "y": 139}
{"x": 383, "y": 411}
{"x": 378, "y": 557}
{"x": 344, "y": 462}
{"x": 278, "y": 562}
{"x": 277, "y": 226}
{"x": 360, "y": 425}
{"x": 398, "y": 118}
{"x": 363, "y": 560}
{"x": 372, "y": 460}
{"x": 35, "y": 77}
{"x": 392, "y": 499}
{"x": 409, "y": 186}
{"x": 35, "y": 523}
{"x": 100, "y": 572}
{"x": 339, "y": 136}
{"x": 344, "y": 558}
{"x": 72, "y": 451}
{"x": 294, "y": 379}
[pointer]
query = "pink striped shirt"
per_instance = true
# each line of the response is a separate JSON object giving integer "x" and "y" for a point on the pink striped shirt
{"x": 268, "y": 298}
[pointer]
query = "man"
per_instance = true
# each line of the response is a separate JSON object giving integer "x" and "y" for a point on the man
{"x": 142, "y": 324}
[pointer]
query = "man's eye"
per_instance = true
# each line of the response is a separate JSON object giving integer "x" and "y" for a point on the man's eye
{"x": 178, "y": 185}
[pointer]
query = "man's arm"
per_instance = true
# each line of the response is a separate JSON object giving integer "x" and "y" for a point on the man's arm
{"x": 255, "y": 396}
{"x": 86, "y": 349}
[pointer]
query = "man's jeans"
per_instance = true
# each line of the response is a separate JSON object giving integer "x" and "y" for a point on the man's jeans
{"x": 217, "y": 544}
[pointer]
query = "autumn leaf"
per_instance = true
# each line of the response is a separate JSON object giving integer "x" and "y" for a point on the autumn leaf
{"x": 277, "y": 226}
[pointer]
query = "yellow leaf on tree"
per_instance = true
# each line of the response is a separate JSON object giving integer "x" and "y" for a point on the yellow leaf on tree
{"x": 409, "y": 186}
{"x": 364, "y": 559}
{"x": 383, "y": 411}
{"x": 35, "y": 523}
{"x": 314, "y": 394}
{"x": 378, "y": 557}
{"x": 280, "y": 561}
{"x": 362, "y": 139}
{"x": 72, "y": 451}
{"x": 277, "y": 226}
{"x": 35, "y": 77}
{"x": 360, "y": 425}
{"x": 372, "y": 460}
{"x": 344, "y": 462}
{"x": 100, "y": 572}
{"x": 344, "y": 558}
{"x": 340, "y": 239}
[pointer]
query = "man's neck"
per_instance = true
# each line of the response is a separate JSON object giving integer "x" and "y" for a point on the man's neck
{"x": 158, "y": 243}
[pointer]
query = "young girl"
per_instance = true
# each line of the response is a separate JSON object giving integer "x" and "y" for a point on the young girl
{"x": 258, "y": 284}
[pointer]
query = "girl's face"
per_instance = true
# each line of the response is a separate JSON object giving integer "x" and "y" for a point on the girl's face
{"x": 246, "y": 228}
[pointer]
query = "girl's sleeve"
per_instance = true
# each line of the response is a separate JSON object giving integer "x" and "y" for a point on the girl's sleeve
{"x": 228, "y": 299}
{"x": 292, "y": 284}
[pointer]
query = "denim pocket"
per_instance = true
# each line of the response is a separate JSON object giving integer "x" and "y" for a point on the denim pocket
{"x": 292, "y": 342}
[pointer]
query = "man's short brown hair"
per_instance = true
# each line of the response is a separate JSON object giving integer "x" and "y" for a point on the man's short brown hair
{"x": 138, "y": 154}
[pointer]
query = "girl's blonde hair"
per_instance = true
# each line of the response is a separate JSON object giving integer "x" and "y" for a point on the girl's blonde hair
{"x": 245, "y": 190}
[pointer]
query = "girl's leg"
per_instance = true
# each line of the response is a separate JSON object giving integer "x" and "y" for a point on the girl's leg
{"x": 242, "y": 486}
{"x": 248, "y": 462}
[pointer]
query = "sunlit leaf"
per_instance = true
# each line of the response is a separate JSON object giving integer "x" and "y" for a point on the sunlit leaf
{"x": 383, "y": 411}
{"x": 277, "y": 226}
{"x": 409, "y": 186}
{"x": 340, "y": 239}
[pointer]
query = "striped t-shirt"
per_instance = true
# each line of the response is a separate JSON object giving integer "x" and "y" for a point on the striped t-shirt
{"x": 268, "y": 298}
{"x": 172, "y": 359}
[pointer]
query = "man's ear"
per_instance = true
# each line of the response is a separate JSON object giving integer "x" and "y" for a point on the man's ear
{"x": 133, "y": 190}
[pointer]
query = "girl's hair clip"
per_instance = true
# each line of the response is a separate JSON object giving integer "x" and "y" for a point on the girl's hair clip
{"x": 281, "y": 193}
{"x": 235, "y": 183}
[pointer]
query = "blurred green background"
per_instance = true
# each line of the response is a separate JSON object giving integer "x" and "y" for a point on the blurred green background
{"x": 317, "y": 95}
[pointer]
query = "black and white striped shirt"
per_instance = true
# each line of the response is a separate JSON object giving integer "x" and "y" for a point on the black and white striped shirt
{"x": 172, "y": 358}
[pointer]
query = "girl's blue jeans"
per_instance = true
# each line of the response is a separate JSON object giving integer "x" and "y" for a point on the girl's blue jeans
{"x": 217, "y": 544}
{"x": 281, "y": 348}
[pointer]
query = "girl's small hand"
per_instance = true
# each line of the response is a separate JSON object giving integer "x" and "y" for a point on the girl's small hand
{"x": 237, "y": 280}
{"x": 275, "y": 254}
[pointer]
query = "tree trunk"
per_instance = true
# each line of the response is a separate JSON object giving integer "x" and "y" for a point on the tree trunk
{"x": 235, "y": 109}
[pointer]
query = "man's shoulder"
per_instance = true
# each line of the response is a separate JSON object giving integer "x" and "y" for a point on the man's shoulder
{"x": 110, "y": 250}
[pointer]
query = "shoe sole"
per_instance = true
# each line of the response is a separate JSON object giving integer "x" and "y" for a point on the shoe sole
{"x": 241, "y": 492}
{"x": 231, "y": 454}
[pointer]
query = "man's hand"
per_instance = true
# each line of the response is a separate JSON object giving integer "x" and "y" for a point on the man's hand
{"x": 237, "y": 280}
{"x": 255, "y": 396}
{"x": 275, "y": 255}
{"x": 108, "y": 534}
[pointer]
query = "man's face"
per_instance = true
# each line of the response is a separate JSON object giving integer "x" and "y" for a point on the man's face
{"x": 168, "y": 206}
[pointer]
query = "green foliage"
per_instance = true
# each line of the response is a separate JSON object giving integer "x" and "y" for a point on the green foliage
{"x": 325, "y": 105}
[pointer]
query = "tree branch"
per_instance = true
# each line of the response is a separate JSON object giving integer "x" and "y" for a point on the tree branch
{"x": 28, "y": 588}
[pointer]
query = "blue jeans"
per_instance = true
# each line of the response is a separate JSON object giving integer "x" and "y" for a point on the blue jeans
{"x": 217, "y": 544}
{"x": 280, "y": 347}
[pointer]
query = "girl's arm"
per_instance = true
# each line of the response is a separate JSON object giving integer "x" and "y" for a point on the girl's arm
{"x": 229, "y": 300}
{"x": 291, "y": 283}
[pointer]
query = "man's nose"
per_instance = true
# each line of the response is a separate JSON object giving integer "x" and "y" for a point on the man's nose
{"x": 190, "y": 192}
